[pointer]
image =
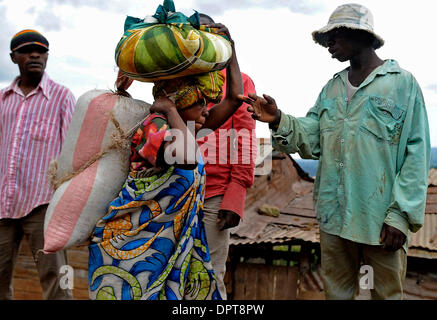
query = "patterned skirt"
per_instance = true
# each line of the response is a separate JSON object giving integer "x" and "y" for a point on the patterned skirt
{"x": 152, "y": 244}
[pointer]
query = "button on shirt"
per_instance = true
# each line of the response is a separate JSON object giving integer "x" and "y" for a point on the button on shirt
{"x": 32, "y": 129}
{"x": 373, "y": 153}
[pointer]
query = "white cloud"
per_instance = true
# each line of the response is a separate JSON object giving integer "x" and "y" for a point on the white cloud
{"x": 213, "y": 7}
{"x": 48, "y": 21}
{"x": 432, "y": 87}
{"x": 7, "y": 68}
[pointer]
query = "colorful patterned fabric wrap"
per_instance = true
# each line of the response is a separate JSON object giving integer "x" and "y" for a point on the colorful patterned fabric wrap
{"x": 187, "y": 90}
{"x": 169, "y": 45}
{"x": 152, "y": 245}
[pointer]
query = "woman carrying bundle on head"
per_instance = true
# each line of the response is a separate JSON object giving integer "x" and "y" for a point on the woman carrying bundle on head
{"x": 151, "y": 244}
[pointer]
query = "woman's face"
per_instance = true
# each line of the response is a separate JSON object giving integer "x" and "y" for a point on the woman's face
{"x": 197, "y": 112}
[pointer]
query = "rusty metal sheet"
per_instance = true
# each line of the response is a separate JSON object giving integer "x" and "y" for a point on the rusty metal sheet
{"x": 426, "y": 237}
{"x": 432, "y": 178}
{"x": 305, "y": 202}
{"x": 278, "y": 234}
{"x": 297, "y": 221}
{"x": 299, "y": 212}
{"x": 303, "y": 188}
{"x": 431, "y": 200}
{"x": 431, "y": 208}
{"x": 252, "y": 225}
{"x": 422, "y": 253}
{"x": 301, "y": 206}
{"x": 277, "y": 189}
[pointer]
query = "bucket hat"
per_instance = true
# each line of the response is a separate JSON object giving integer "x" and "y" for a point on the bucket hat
{"x": 352, "y": 16}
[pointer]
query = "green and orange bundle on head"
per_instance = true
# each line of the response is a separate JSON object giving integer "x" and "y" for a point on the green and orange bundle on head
{"x": 170, "y": 45}
{"x": 181, "y": 57}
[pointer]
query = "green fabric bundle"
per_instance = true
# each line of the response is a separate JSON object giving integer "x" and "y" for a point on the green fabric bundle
{"x": 169, "y": 45}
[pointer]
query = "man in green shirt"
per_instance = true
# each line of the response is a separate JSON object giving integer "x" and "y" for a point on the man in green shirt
{"x": 369, "y": 130}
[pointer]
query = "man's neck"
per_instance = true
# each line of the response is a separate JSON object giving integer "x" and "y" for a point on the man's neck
{"x": 362, "y": 65}
{"x": 29, "y": 83}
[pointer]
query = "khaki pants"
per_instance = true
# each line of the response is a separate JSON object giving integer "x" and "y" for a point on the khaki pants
{"x": 48, "y": 265}
{"x": 218, "y": 241}
{"x": 341, "y": 263}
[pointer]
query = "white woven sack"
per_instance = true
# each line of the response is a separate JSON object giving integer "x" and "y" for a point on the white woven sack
{"x": 92, "y": 166}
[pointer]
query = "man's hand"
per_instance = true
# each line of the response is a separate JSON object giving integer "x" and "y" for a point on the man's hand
{"x": 262, "y": 109}
{"x": 392, "y": 238}
{"x": 227, "y": 219}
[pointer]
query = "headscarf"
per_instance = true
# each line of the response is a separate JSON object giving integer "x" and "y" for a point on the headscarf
{"x": 186, "y": 91}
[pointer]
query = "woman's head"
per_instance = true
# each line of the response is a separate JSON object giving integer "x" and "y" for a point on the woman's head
{"x": 196, "y": 113}
{"x": 191, "y": 94}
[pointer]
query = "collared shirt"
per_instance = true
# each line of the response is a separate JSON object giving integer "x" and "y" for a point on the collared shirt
{"x": 32, "y": 129}
{"x": 230, "y": 156}
{"x": 373, "y": 153}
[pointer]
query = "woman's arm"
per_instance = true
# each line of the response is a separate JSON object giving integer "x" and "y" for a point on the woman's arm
{"x": 234, "y": 86}
{"x": 181, "y": 150}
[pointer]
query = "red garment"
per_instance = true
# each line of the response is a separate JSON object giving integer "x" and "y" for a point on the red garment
{"x": 230, "y": 170}
{"x": 147, "y": 141}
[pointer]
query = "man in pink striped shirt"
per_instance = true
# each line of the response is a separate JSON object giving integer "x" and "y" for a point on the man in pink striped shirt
{"x": 35, "y": 113}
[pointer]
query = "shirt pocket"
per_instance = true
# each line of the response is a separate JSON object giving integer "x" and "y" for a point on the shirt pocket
{"x": 326, "y": 115}
{"x": 383, "y": 120}
{"x": 42, "y": 130}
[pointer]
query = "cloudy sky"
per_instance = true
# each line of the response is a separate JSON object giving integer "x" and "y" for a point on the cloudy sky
{"x": 273, "y": 43}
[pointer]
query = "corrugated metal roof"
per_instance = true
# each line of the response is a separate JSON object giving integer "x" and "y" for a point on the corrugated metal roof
{"x": 422, "y": 253}
{"x": 426, "y": 237}
{"x": 301, "y": 206}
{"x": 297, "y": 219}
{"x": 423, "y": 243}
{"x": 271, "y": 189}
{"x": 274, "y": 233}
{"x": 431, "y": 200}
